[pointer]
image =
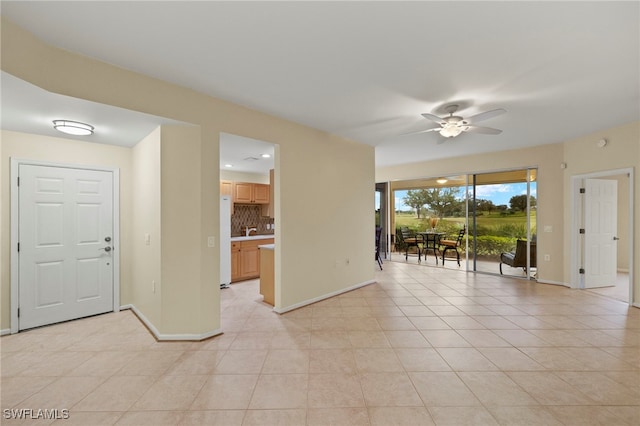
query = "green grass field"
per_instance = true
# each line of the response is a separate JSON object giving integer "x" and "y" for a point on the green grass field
{"x": 486, "y": 220}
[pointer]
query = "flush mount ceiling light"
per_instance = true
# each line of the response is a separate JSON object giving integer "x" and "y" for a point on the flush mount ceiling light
{"x": 73, "y": 127}
{"x": 228, "y": 165}
{"x": 442, "y": 180}
{"x": 266, "y": 156}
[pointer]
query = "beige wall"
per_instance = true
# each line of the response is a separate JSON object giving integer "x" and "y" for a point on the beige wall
{"x": 309, "y": 196}
{"x": 63, "y": 151}
{"x": 146, "y": 258}
{"x": 244, "y": 177}
{"x": 545, "y": 158}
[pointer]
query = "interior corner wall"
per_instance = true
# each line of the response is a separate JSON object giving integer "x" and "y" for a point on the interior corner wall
{"x": 307, "y": 200}
{"x": 63, "y": 151}
{"x": 550, "y": 195}
{"x": 583, "y": 156}
{"x": 146, "y": 286}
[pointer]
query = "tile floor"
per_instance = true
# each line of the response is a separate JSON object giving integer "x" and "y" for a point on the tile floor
{"x": 423, "y": 346}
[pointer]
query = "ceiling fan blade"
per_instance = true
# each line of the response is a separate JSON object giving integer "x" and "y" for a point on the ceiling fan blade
{"x": 485, "y": 115}
{"x": 434, "y": 129}
{"x": 441, "y": 139}
{"x": 432, "y": 117}
{"x": 483, "y": 130}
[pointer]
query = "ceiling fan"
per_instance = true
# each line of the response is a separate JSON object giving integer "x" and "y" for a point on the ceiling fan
{"x": 453, "y": 125}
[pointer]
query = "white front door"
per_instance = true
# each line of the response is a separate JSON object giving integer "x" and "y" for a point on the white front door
{"x": 65, "y": 236}
{"x": 600, "y": 241}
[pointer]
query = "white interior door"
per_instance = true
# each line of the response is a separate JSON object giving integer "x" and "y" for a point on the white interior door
{"x": 600, "y": 241}
{"x": 65, "y": 244}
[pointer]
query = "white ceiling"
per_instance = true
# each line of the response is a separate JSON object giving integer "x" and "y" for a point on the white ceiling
{"x": 367, "y": 70}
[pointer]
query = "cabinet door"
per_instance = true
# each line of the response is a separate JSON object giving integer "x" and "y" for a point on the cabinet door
{"x": 226, "y": 187}
{"x": 261, "y": 193}
{"x": 235, "y": 262}
{"x": 242, "y": 192}
{"x": 250, "y": 262}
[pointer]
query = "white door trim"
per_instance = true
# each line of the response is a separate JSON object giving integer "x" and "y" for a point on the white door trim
{"x": 576, "y": 216}
{"x": 15, "y": 215}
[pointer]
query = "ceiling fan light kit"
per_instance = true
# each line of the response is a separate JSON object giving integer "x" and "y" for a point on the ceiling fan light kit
{"x": 454, "y": 125}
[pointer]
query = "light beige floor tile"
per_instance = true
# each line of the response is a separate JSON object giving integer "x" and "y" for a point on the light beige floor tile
{"x": 495, "y": 389}
{"x": 596, "y": 359}
{"x": 193, "y": 363}
{"x": 63, "y": 392}
{"x": 443, "y": 389}
{"x": 520, "y": 416}
{"x": 17, "y": 389}
{"x": 600, "y": 388}
{"x": 280, "y": 391}
{"x": 332, "y": 361}
{"x": 389, "y": 390}
{"x": 445, "y": 339}
{"x": 171, "y": 393}
{"x": 334, "y": 390}
{"x": 520, "y": 338}
{"x": 399, "y": 416}
{"x": 495, "y": 322}
{"x": 593, "y": 415}
{"x": 377, "y": 360}
{"x": 445, "y": 310}
{"x": 424, "y": 359}
{"x": 417, "y": 310}
{"x": 462, "y": 416}
{"x": 151, "y": 418}
{"x": 118, "y": 393}
{"x": 549, "y": 389}
{"x": 406, "y": 339}
{"x": 330, "y": 340}
{"x": 630, "y": 379}
{"x": 56, "y": 363}
{"x": 291, "y": 340}
{"x": 483, "y": 338}
{"x": 241, "y": 362}
{"x": 282, "y": 361}
{"x": 395, "y": 323}
{"x": 510, "y": 359}
{"x": 292, "y": 417}
{"x": 337, "y": 417}
{"x": 229, "y": 392}
{"x": 149, "y": 363}
{"x": 217, "y": 343}
{"x": 213, "y": 418}
{"x": 103, "y": 364}
{"x": 553, "y": 359}
{"x": 368, "y": 339}
{"x": 466, "y": 359}
{"x": 80, "y": 418}
{"x": 628, "y": 414}
{"x": 429, "y": 323}
{"x": 252, "y": 340}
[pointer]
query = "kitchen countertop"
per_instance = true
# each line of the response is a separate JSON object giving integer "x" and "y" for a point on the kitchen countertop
{"x": 252, "y": 237}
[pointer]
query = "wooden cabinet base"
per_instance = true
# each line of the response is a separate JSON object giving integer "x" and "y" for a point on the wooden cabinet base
{"x": 267, "y": 276}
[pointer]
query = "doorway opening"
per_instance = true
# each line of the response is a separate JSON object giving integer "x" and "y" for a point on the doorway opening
{"x": 603, "y": 233}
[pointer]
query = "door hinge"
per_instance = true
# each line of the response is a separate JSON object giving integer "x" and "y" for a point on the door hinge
{"x": 582, "y": 190}
{"x": 582, "y": 230}
{"x": 18, "y": 180}
{"x": 18, "y": 312}
{"x": 581, "y": 270}
{"x": 18, "y": 247}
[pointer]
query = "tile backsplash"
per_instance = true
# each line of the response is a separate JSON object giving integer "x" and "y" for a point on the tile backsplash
{"x": 249, "y": 215}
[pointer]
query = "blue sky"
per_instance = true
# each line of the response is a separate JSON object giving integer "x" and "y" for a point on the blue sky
{"x": 499, "y": 193}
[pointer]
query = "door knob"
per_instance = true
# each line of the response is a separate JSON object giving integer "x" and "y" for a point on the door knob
{"x": 107, "y": 249}
{"x": 107, "y": 239}
{"x": 615, "y": 238}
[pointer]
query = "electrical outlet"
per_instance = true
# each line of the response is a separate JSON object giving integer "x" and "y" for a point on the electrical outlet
{"x": 147, "y": 239}
{"x": 548, "y": 228}
{"x": 211, "y": 241}
{"x": 547, "y": 257}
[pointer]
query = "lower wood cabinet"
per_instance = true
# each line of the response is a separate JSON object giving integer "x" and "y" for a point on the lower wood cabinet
{"x": 245, "y": 259}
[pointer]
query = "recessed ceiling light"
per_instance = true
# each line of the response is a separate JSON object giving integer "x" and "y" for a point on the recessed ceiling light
{"x": 73, "y": 127}
{"x": 266, "y": 155}
{"x": 442, "y": 180}
{"x": 228, "y": 165}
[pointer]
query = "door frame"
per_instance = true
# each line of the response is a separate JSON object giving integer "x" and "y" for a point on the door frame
{"x": 577, "y": 214}
{"x": 15, "y": 218}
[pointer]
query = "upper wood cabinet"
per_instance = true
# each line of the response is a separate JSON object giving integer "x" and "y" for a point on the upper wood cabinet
{"x": 250, "y": 193}
{"x": 226, "y": 187}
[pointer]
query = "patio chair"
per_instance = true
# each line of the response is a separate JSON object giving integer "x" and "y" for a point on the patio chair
{"x": 378, "y": 258}
{"x": 406, "y": 240}
{"x": 448, "y": 245}
{"x": 518, "y": 259}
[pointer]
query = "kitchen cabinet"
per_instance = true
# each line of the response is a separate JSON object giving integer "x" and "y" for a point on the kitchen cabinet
{"x": 226, "y": 187}
{"x": 250, "y": 193}
{"x": 245, "y": 258}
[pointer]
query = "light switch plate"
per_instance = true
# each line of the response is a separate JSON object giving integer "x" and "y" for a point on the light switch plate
{"x": 548, "y": 228}
{"x": 211, "y": 241}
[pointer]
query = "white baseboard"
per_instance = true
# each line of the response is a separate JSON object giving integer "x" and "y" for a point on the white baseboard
{"x": 5, "y": 331}
{"x": 636, "y": 305}
{"x": 169, "y": 337}
{"x": 624, "y": 271}
{"x": 553, "y": 283}
{"x": 323, "y": 297}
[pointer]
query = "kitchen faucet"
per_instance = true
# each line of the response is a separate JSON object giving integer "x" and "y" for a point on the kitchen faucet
{"x": 248, "y": 230}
